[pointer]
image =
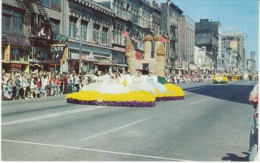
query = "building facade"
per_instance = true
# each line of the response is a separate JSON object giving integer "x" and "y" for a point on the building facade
{"x": 208, "y": 34}
{"x": 170, "y": 27}
{"x": 236, "y": 43}
{"x": 251, "y": 62}
{"x": 203, "y": 61}
{"x": 187, "y": 43}
{"x": 85, "y": 35}
{"x": 136, "y": 18}
{"x": 29, "y": 31}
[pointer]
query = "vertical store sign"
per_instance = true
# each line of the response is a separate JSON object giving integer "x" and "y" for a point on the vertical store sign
{"x": 60, "y": 52}
{"x": 64, "y": 55}
{"x": 7, "y": 54}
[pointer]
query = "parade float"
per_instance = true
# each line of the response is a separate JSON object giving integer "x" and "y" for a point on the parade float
{"x": 134, "y": 89}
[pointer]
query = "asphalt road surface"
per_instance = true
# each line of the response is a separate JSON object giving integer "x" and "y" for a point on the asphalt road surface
{"x": 212, "y": 123}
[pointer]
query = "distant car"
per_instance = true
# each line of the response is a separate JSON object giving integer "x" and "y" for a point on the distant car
{"x": 220, "y": 79}
{"x": 235, "y": 77}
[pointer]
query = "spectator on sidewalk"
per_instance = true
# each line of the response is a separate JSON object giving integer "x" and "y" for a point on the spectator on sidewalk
{"x": 253, "y": 141}
{"x": 9, "y": 88}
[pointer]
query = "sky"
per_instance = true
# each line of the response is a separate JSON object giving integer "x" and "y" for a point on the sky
{"x": 234, "y": 15}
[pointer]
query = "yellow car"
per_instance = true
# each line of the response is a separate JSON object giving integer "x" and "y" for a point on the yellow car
{"x": 220, "y": 79}
{"x": 236, "y": 77}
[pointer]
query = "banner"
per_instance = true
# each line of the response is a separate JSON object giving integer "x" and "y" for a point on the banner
{"x": 125, "y": 34}
{"x": 7, "y": 54}
{"x": 64, "y": 55}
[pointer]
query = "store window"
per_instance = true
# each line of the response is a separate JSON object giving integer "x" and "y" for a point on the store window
{"x": 15, "y": 54}
{"x": 3, "y": 52}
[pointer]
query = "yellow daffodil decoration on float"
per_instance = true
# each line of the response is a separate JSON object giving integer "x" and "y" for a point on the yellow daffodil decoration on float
{"x": 134, "y": 98}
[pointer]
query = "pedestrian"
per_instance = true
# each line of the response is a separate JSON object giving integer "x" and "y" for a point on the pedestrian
{"x": 32, "y": 87}
{"x": 253, "y": 140}
{"x": 76, "y": 81}
{"x": 38, "y": 88}
{"x": 17, "y": 87}
{"x": 43, "y": 86}
{"x": 24, "y": 87}
{"x": 65, "y": 84}
{"x": 9, "y": 88}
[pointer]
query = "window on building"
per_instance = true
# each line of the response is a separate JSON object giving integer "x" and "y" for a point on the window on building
{"x": 84, "y": 29}
{"x": 54, "y": 4}
{"x": 96, "y": 33}
{"x": 6, "y": 22}
{"x": 55, "y": 24}
{"x": 17, "y": 23}
{"x": 104, "y": 36}
{"x": 73, "y": 27}
{"x": 12, "y": 20}
{"x": 16, "y": 54}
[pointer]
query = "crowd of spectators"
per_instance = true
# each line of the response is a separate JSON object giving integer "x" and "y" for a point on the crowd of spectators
{"x": 188, "y": 78}
{"x": 23, "y": 85}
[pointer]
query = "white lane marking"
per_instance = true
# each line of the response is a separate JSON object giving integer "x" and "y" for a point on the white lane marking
{"x": 198, "y": 88}
{"x": 93, "y": 150}
{"x": 221, "y": 92}
{"x": 196, "y": 102}
{"x": 113, "y": 130}
{"x": 50, "y": 115}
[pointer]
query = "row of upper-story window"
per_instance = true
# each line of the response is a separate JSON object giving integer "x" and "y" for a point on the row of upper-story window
{"x": 12, "y": 20}
{"x": 54, "y": 4}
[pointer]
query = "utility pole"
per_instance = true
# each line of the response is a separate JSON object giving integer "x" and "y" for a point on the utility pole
{"x": 80, "y": 43}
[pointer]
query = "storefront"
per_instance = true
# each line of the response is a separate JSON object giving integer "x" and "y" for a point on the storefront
{"x": 119, "y": 59}
{"x": 193, "y": 68}
{"x": 87, "y": 61}
{"x": 93, "y": 57}
{"x": 48, "y": 59}
{"x": 15, "y": 53}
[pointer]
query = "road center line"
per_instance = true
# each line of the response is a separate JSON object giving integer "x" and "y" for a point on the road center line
{"x": 221, "y": 92}
{"x": 197, "y": 88}
{"x": 93, "y": 150}
{"x": 113, "y": 130}
{"x": 196, "y": 102}
{"x": 50, "y": 115}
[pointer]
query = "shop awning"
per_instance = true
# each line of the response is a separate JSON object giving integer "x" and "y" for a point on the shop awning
{"x": 121, "y": 65}
{"x": 16, "y": 40}
{"x": 193, "y": 67}
{"x": 103, "y": 63}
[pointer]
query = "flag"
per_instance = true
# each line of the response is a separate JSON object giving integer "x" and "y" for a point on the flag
{"x": 164, "y": 40}
{"x": 125, "y": 34}
{"x": 64, "y": 55}
{"x": 138, "y": 55}
{"x": 7, "y": 54}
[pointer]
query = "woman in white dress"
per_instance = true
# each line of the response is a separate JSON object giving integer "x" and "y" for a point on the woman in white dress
{"x": 93, "y": 86}
{"x": 112, "y": 85}
{"x": 152, "y": 80}
{"x": 139, "y": 83}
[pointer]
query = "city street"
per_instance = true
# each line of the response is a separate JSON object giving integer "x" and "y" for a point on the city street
{"x": 212, "y": 123}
